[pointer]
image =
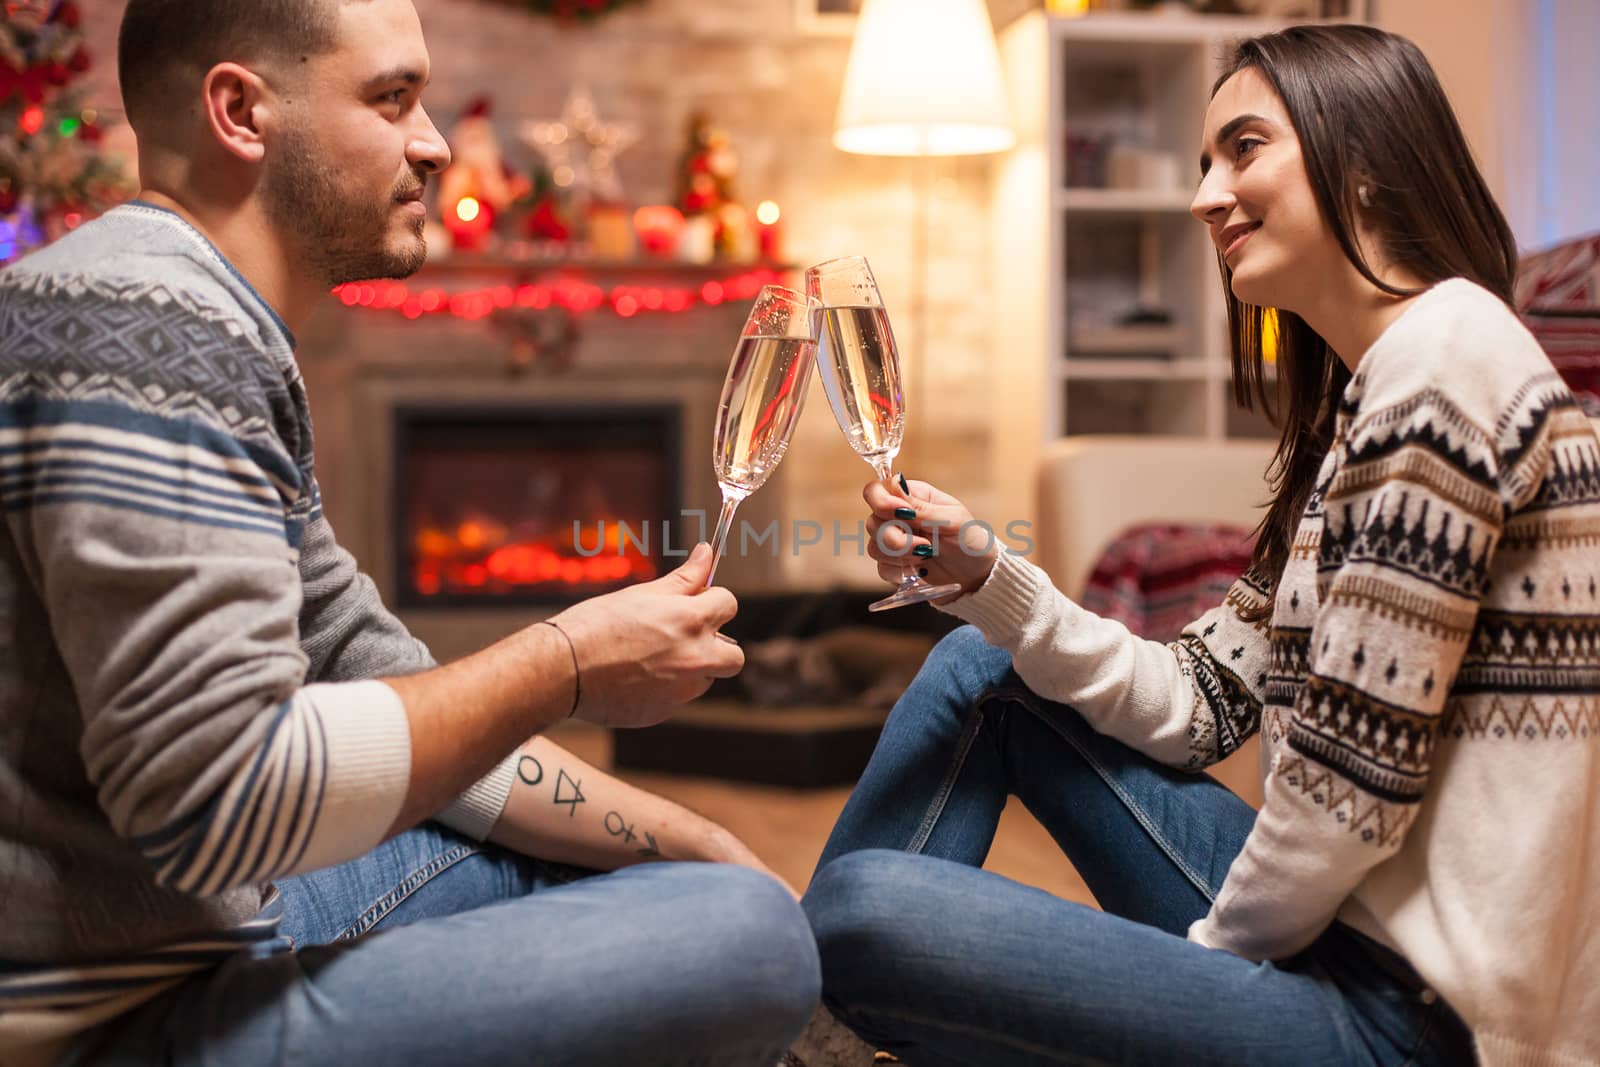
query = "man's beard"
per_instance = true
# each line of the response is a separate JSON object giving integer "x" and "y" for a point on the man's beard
{"x": 342, "y": 236}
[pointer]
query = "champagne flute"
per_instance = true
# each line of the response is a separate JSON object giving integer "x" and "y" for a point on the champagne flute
{"x": 861, "y": 375}
{"x": 761, "y": 400}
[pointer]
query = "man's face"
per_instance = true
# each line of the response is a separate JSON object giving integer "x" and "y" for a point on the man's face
{"x": 348, "y": 165}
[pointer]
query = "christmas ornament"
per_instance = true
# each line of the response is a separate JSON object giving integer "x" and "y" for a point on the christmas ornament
{"x": 717, "y": 224}
{"x": 541, "y": 215}
{"x": 610, "y": 231}
{"x": 698, "y": 241}
{"x": 478, "y": 186}
{"x": 708, "y": 168}
{"x": 659, "y": 227}
{"x": 29, "y": 15}
{"x": 581, "y": 149}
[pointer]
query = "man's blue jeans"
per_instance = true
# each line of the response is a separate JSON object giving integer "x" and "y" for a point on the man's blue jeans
{"x": 434, "y": 950}
{"x": 929, "y": 957}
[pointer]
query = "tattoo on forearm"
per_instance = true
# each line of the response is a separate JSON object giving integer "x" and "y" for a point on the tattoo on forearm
{"x": 617, "y": 826}
{"x": 568, "y": 792}
{"x": 530, "y": 770}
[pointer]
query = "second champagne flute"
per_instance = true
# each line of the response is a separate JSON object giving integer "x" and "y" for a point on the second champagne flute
{"x": 861, "y": 375}
{"x": 761, "y": 400}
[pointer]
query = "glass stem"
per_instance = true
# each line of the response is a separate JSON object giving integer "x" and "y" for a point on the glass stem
{"x": 719, "y": 540}
{"x": 884, "y": 465}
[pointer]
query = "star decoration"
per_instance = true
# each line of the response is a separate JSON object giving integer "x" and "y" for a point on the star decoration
{"x": 580, "y": 148}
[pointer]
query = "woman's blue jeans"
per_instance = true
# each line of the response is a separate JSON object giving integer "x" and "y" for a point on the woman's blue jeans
{"x": 434, "y": 950}
{"x": 929, "y": 957}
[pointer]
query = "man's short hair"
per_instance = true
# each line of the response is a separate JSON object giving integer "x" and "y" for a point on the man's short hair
{"x": 166, "y": 47}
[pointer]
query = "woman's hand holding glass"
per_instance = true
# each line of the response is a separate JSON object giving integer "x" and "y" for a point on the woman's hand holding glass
{"x": 954, "y": 548}
{"x": 861, "y": 376}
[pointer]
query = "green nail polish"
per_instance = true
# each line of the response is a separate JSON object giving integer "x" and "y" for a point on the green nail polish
{"x": 922, "y": 572}
{"x": 904, "y": 513}
{"x": 925, "y": 551}
{"x": 904, "y": 486}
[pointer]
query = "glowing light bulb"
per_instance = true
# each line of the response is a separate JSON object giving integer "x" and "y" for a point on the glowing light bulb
{"x": 767, "y": 212}
{"x": 468, "y": 208}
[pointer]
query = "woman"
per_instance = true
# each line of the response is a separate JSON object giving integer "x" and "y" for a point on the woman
{"x": 1415, "y": 641}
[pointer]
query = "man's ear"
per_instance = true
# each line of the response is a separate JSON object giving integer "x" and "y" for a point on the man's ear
{"x": 236, "y": 102}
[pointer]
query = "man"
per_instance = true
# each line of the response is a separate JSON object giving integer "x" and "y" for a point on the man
{"x": 202, "y": 697}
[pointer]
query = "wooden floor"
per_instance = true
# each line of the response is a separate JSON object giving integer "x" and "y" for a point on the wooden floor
{"x": 788, "y": 827}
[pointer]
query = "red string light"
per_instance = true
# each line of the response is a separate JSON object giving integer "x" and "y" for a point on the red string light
{"x": 570, "y": 293}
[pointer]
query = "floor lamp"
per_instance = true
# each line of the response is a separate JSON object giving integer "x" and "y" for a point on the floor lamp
{"x": 923, "y": 79}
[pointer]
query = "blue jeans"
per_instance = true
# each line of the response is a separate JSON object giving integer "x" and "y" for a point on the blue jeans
{"x": 434, "y": 950}
{"x": 931, "y": 958}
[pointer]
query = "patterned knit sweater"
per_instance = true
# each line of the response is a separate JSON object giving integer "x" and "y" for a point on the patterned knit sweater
{"x": 1427, "y": 689}
{"x": 183, "y": 715}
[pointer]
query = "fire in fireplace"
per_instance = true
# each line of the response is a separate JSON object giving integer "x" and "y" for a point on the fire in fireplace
{"x": 531, "y": 504}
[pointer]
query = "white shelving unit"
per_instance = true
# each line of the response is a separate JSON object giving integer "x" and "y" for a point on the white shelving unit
{"x": 1106, "y": 276}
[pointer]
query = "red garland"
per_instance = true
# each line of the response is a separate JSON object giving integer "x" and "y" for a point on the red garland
{"x": 583, "y": 10}
{"x": 568, "y": 293}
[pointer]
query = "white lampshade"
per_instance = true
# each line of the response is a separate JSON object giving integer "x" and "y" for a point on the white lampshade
{"x": 923, "y": 80}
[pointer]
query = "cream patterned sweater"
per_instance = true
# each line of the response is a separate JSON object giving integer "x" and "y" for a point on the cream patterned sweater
{"x": 1427, "y": 689}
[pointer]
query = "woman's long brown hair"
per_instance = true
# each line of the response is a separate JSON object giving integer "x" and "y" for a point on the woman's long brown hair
{"x": 1368, "y": 110}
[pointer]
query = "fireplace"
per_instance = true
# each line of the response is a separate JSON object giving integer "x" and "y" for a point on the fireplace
{"x": 531, "y": 504}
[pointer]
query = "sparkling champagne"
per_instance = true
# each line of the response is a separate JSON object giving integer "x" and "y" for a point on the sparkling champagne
{"x": 761, "y": 402}
{"x": 862, "y": 379}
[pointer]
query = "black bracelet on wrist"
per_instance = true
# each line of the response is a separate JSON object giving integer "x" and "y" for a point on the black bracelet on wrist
{"x": 577, "y": 681}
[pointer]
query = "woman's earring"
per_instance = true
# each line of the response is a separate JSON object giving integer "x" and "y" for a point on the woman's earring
{"x": 1363, "y": 196}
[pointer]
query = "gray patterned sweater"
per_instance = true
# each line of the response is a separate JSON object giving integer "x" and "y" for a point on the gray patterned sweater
{"x": 186, "y": 703}
{"x": 1427, "y": 687}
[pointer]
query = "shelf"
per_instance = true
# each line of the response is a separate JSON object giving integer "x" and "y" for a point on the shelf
{"x": 1128, "y": 340}
{"x": 1125, "y": 201}
{"x": 1084, "y": 88}
{"x": 1132, "y": 370}
{"x": 1160, "y": 403}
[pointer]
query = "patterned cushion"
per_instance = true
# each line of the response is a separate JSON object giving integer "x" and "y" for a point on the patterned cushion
{"x": 1156, "y": 578}
{"x": 1564, "y": 278}
{"x": 1572, "y": 341}
{"x": 1558, "y": 295}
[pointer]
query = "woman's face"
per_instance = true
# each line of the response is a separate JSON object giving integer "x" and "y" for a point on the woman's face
{"x": 1256, "y": 198}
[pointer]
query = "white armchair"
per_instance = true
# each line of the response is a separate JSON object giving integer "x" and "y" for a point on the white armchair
{"x": 1093, "y": 487}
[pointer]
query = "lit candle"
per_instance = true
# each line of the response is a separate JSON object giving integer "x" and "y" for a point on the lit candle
{"x": 768, "y": 233}
{"x": 469, "y": 221}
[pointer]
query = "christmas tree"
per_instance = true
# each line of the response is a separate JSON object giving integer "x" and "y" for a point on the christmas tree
{"x": 707, "y": 170}
{"x": 53, "y": 174}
